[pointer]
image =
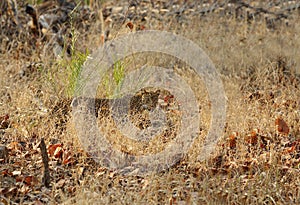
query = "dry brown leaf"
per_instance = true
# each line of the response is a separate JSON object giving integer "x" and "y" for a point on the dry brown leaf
{"x": 6, "y": 173}
{"x": 290, "y": 149}
{"x": 294, "y": 147}
{"x": 232, "y": 140}
{"x": 252, "y": 138}
{"x": 52, "y": 149}
{"x": 282, "y": 126}
{"x": 68, "y": 159}
{"x": 28, "y": 180}
{"x": 58, "y": 152}
{"x": 130, "y": 25}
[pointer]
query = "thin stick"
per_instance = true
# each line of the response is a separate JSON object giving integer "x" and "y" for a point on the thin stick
{"x": 46, "y": 177}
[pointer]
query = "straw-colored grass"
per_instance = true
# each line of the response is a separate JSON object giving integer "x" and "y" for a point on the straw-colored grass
{"x": 260, "y": 71}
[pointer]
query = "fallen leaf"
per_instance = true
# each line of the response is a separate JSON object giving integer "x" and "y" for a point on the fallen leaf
{"x": 294, "y": 147}
{"x": 252, "y": 138}
{"x": 28, "y": 180}
{"x": 52, "y": 149}
{"x": 141, "y": 27}
{"x": 67, "y": 158}
{"x": 58, "y": 152}
{"x": 5, "y": 173}
{"x": 130, "y": 25}
{"x": 282, "y": 126}
{"x": 232, "y": 140}
{"x": 290, "y": 149}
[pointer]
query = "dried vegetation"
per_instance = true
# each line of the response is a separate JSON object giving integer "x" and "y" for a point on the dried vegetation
{"x": 254, "y": 46}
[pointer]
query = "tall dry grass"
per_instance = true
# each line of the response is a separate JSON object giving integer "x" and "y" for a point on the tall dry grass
{"x": 260, "y": 71}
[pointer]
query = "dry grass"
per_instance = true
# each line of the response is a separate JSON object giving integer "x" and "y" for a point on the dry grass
{"x": 260, "y": 71}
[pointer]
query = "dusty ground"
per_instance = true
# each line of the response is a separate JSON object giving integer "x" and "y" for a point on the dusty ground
{"x": 257, "y": 161}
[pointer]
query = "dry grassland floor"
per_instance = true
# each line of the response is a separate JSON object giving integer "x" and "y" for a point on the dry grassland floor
{"x": 256, "y": 161}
